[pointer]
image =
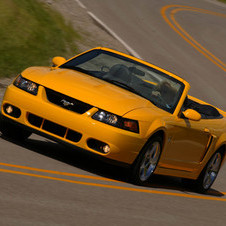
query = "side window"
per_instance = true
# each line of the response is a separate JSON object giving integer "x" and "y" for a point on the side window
{"x": 185, "y": 105}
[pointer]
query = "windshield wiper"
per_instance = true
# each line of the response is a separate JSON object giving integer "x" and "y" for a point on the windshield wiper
{"x": 77, "y": 69}
{"x": 123, "y": 85}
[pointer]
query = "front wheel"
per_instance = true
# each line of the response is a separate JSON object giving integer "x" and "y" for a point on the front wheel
{"x": 209, "y": 173}
{"x": 147, "y": 161}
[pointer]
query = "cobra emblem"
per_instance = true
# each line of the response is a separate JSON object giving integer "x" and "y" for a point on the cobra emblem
{"x": 66, "y": 103}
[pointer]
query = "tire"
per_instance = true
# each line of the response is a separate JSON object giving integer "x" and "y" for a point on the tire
{"x": 209, "y": 173}
{"x": 12, "y": 131}
{"x": 147, "y": 161}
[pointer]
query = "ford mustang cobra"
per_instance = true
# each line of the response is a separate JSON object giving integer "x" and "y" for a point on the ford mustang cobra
{"x": 123, "y": 109}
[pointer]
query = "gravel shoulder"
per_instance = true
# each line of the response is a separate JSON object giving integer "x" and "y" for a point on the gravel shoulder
{"x": 92, "y": 34}
{"x": 4, "y": 82}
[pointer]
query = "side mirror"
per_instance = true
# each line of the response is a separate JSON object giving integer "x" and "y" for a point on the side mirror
{"x": 192, "y": 115}
{"x": 57, "y": 61}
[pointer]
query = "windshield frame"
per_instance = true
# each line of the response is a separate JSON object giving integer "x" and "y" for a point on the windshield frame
{"x": 84, "y": 57}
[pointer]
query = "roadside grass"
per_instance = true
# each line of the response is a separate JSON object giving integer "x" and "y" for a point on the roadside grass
{"x": 31, "y": 34}
{"x": 222, "y": 1}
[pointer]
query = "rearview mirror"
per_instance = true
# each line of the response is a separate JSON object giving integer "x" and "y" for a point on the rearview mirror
{"x": 57, "y": 61}
{"x": 192, "y": 115}
{"x": 136, "y": 71}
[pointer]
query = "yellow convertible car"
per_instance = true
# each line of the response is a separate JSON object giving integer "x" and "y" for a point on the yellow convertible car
{"x": 121, "y": 108}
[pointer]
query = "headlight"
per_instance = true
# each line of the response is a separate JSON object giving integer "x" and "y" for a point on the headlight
{"x": 26, "y": 85}
{"x": 117, "y": 121}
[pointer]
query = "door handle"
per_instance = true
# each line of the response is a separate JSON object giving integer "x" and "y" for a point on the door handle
{"x": 206, "y": 130}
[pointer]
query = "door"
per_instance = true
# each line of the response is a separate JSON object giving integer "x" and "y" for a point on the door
{"x": 187, "y": 144}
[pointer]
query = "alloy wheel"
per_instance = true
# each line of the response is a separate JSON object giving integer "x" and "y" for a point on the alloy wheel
{"x": 150, "y": 161}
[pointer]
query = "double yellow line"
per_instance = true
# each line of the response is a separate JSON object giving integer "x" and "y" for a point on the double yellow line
{"x": 117, "y": 187}
{"x": 168, "y": 13}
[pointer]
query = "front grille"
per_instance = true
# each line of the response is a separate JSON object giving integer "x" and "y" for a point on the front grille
{"x": 73, "y": 136}
{"x": 67, "y": 102}
{"x": 35, "y": 120}
{"x": 54, "y": 128}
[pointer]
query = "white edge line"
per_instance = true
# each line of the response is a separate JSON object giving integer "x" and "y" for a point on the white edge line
{"x": 129, "y": 49}
{"x": 80, "y": 4}
{"x": 217, "y": 3}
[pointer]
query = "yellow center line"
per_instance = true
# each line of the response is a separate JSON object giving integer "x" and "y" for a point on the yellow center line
{"x": 173, "y": 12}
{"x": 59, "y": 173}
{"x": 116, "y": 187}
{"x": 188, "y": 38}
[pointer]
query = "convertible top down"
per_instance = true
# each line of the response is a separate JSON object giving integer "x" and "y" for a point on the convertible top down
{"x": 121, "y": 108}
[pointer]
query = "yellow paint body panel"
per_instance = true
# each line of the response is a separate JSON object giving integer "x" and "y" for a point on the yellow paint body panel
{"x": 187, "y": 145}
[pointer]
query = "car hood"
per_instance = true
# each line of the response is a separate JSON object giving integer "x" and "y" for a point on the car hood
{"x": 88, "y": 89}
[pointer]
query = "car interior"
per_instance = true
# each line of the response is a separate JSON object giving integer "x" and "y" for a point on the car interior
{"x": 206, "y": 111}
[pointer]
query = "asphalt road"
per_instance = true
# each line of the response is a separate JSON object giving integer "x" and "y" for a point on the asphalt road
{"x": 43, "y": 183}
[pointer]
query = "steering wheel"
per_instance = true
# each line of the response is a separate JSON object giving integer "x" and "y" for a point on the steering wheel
{"x": 105, "y": 69}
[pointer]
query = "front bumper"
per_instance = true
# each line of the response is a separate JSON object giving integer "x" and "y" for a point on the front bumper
{"x": 124, "y": 145}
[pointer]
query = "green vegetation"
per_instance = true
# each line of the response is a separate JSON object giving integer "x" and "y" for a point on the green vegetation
{"x": 31, "y": 34}
{"x": 222, "y": 1}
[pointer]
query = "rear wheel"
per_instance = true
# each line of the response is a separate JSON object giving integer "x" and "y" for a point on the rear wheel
{"x": 147, "y": 161}
{"x": 209, "y": 173}
{"x": 13, "y": 131}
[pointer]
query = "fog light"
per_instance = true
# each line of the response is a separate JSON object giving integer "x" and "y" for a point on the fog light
{"x": 9, "y": 109}
{"x": 106, "y": 148}
{"x": 98, "y": 145}
{"x": 12, "y": 110}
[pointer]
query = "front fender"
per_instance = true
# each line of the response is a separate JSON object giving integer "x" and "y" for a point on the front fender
{"x": 150, "y": 120}
{"x": 154, "y": 127}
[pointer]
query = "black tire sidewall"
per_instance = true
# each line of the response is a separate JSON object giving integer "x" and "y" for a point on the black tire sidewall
{"x": 199, "y": 182}
{"x": 135, "y": 171}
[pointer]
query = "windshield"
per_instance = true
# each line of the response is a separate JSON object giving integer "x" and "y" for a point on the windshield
{"x": 159, "y": 88}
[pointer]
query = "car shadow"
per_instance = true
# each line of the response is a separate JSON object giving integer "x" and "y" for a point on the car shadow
{"x": 99, "y": 167}
{"x": 72, "y": 157}
{"x": 174, "y": 183}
